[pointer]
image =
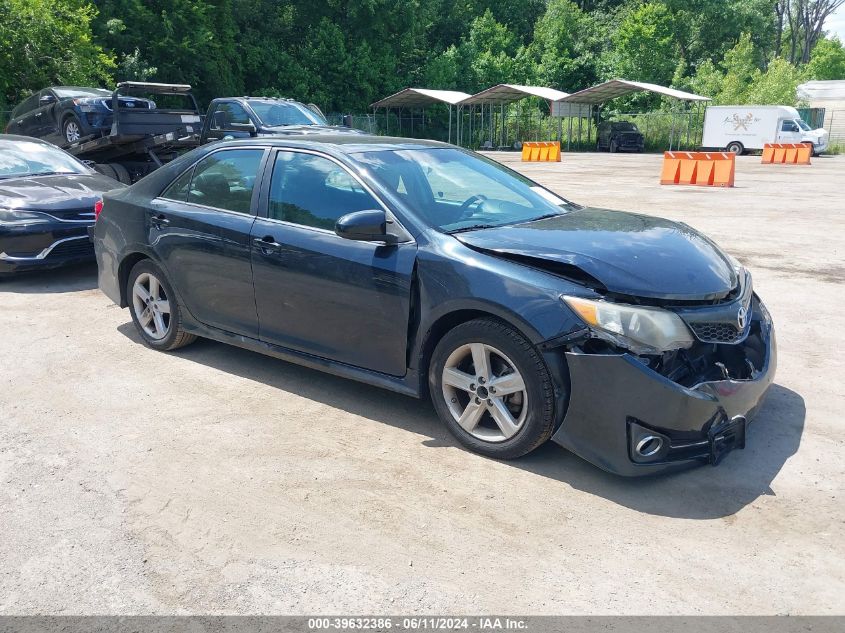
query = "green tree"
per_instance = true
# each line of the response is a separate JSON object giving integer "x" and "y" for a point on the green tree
{"x": 566, "y": 47}
{"x": 738, "y": 80}
{"x": 828, "y": 60}
{"x": 644, "y": 48}
{"x": 48, "y": 42}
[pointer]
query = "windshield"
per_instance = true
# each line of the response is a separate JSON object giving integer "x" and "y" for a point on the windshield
{"x": 66, "y": 93}
{"x": 803, "y": 125}
{"x": 624, "y": 126}
{"x": 25, "y": 158}
{"x": 277, "y": 113}
{"x": 453, "y": 190}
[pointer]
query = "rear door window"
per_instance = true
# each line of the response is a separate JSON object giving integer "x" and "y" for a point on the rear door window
{"x": 178, "y": 189}
{"x": 222, "y": 180}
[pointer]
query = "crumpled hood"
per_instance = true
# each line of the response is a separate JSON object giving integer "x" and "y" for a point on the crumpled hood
{"x": 627, "y": 253}
{"x": 56, "y": 193}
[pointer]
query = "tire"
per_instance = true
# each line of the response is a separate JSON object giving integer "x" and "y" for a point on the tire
{"x": 71, "y": 129}
{"x": 105, "y": 170}
{"x": 735, "y": 147}
{"x": 121, "y": 173}
{"x": 529, "y": 403}
{"x": 613, "y": 147}
{"x": 163, "y": 331}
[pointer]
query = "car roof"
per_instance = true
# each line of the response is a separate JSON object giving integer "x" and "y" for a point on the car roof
{"x": 340, "y": 143}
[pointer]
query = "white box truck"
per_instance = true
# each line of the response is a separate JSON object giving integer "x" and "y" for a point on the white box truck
{"x": 741, "y": 128}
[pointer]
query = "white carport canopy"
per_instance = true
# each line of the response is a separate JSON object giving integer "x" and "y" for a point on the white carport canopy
{"x": 508, "y": 93}
{"x": 413, "y": 97}
{"x": 419, "y": 98}
{"x": 596, "y": 96}
{"x": 502, "y": 95}
{"x": 621, "y": 87}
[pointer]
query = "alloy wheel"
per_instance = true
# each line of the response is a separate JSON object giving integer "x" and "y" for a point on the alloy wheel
{"x": 485, "y": 393}
{"x": 151, "y": 305}
{"x": 72, "y": 131}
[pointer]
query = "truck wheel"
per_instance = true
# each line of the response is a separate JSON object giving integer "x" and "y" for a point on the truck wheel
{"x": 72, "y": 129}
{"x": 613, "y": 148}
{"x": 735, "y": 147}
{"x": 121, "y": 173}
{"x": 106, "y": 170}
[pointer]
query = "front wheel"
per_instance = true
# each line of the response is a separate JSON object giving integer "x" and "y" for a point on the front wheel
{"x": 613, "y": 147}
{"x": 155, "y": 309}
{"x": 72, "y": 129}
{"x": 492, "y": 389}
{"x": 735, "y": 147}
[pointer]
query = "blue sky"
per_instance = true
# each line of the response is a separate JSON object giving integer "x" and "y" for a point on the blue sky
{"x": 836, "y": 23}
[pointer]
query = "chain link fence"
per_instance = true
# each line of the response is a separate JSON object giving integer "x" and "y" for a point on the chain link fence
{"x": 507, "y": 130}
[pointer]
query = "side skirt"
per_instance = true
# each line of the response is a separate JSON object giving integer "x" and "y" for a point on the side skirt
{"x": 409, "y": 384}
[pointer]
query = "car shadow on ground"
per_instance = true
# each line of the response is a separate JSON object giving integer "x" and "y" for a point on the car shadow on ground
{"x": 697, "y": 493}
{"x": 74, "y": 278}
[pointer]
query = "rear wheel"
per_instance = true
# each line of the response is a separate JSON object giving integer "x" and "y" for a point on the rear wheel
{"x": 735, "y": 147}
{"x": 492, "y": 389}
{"x": 155, "y": 309}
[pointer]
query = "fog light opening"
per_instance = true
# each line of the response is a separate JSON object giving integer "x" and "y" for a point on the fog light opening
{"x": 649, "y": 445}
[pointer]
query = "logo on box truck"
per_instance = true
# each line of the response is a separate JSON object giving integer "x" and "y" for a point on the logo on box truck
{"x": 741, "y": 122}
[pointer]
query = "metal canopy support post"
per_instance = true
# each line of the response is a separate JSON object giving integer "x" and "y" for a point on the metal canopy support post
{"x": 580, "y": 123}
{"x": 450, "y": 125}
{"x": 502, "y": 142}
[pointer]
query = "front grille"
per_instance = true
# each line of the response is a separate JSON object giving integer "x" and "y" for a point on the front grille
{"x": 73, "y": 248}
{"x": 717, "y": 332}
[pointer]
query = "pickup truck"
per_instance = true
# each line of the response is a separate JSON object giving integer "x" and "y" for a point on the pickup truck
{"x": 244, "y": 117}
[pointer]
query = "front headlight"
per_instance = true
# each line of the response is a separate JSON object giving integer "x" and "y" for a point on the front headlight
{"x": 19, "y": 217}
{"x": 642, "y": 330}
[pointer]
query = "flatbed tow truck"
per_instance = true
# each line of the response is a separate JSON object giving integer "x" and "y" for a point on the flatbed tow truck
{"x": 142, "y": 140}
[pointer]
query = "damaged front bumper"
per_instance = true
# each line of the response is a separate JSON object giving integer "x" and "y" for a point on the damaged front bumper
{"x": 629, "y": 419}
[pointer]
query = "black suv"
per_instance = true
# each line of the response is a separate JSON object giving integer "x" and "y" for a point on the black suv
{"x": 243, "y": 117}
{"x": 619, "y": 136}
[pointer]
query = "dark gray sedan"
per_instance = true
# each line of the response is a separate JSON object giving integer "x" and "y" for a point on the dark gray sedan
{"x": 429, "y": 270}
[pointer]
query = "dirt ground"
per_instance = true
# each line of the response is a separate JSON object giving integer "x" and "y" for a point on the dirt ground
{"x": 216, "y": 480}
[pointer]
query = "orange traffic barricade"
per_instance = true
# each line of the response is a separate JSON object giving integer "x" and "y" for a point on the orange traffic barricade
{"x": 705, "y": 169}
{"x": 542, "y": 151}
{"x": 787, "y": 153}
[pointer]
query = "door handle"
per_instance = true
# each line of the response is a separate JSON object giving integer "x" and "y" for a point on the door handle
{"x": 159, "y": 220}
{"x": 267, "y": 244}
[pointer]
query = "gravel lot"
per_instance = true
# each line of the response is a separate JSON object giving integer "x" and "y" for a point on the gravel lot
{"x": 216, "y": 480}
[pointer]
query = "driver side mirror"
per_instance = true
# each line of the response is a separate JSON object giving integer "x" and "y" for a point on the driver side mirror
{"x": 243, "y": 127}
{"x": 364, "y": 226}
{"x": 46, "y": 100}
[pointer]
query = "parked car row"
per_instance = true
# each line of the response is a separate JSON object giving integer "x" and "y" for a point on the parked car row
{"x": 129, "y": 132}
{"x": 419, "y": 267}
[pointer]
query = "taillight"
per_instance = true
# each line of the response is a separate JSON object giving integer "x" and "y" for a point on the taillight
{"x": 98, "y": 207}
